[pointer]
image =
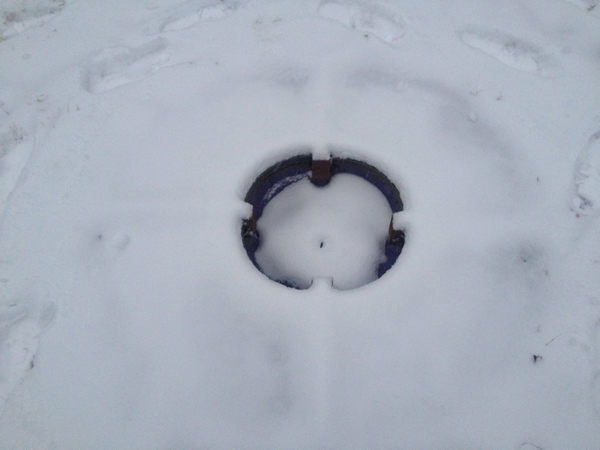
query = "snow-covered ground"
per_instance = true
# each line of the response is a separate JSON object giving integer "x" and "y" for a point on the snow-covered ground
{"x": 130, "y": 316}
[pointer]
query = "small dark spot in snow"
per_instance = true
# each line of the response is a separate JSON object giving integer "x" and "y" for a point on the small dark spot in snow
{"x": 366, "y": 35}
{"x": 321, "y": 244}
{"x": 536, "y": 357}
{"x": 31, "y": 364}
{"x": 537, "y": 179}
{"x": 591, "y": 8}
{"x": 546, "y": 272}
{"x": 99, "y": 237}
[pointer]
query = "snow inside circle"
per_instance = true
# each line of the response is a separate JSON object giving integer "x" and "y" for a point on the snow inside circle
{"x": 336, "y": 231}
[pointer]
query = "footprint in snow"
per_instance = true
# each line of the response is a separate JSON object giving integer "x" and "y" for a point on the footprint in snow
{"x": 587, "y": 178}
{"x": 510, "y": 50}
{"x": 16, "y": 18}
{"x": 108, "y": 247}
{"x": 20, "y": 329}
{"x": 115, "y": 66}
{"x": 186, "y": 21}
{"x": 366, "y": 18}
{"x": 15, "y": 150}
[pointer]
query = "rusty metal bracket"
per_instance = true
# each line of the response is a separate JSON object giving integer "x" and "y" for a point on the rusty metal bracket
{"x": 321, "y": 172}
{"x": 395, "y": 237}
{"x": 250, "y": 224}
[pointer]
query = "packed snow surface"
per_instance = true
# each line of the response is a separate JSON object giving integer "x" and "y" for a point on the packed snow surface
{"x": 130, "y": 315}
{"x": 337, "y": 231}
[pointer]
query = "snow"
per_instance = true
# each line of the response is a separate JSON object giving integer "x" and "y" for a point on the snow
{"x": 337, "y": 231}
{"x": 587, "y": 178}
{"x": 510, "y": 50}
{"x": 130, "y": 315}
